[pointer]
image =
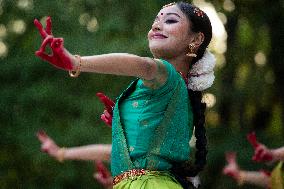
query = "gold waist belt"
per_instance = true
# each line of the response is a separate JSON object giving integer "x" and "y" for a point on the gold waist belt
{"x": 131, "y": 174}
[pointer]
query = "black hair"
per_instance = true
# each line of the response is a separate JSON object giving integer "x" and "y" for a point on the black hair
{"x": 199, "y": 23}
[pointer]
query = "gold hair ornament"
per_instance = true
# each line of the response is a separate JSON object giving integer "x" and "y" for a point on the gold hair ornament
{"x": 198, "y": 12}
{"x": 170, "y": 4}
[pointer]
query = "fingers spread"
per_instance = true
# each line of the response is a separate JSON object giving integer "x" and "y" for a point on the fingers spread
{"x": 40, "y": 28}
{"x": 48, "y": 26}
{"x": 251, "y": 137}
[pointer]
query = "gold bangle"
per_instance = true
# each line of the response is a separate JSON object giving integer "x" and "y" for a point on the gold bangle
{"x": 77, "y": 72}
{"x": 61, "y": 154}
{"x": 241, "y": 179}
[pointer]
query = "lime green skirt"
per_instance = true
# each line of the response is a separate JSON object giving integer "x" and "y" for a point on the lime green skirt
{"x": 152, "y": 180}
{"x": 277, "y": 177}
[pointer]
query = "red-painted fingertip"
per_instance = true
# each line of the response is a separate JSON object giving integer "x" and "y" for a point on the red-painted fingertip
{"x": 38, "y": 53}
{"x": 251, "y": 137}
{"x": 100, "y": 95}
{"x": 230, "y": 156}
{"x": 41, "y": 132}
{"x": 37, "y": 23}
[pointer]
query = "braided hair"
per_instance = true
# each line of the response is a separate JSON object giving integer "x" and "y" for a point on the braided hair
{"x": 199, "y": 23}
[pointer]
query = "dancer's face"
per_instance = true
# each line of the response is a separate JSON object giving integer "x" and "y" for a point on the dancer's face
{"x": 170, "y": 33}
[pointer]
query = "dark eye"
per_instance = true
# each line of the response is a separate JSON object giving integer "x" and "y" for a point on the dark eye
{"x": 171, "y": 21}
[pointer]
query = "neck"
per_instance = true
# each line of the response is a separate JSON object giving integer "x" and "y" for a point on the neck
{"x": 181, "y": 64}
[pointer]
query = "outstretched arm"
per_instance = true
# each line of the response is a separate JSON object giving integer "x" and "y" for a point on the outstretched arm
{"x": 262, "y": 153}
{"x": 96, "y": 152}
{"x": 120, "y": 64}
{"x": 278, "y": 154}
{"x": 258, "y": 178}
{"x": 90, "y": 152}
{"x": 117, "y": 63}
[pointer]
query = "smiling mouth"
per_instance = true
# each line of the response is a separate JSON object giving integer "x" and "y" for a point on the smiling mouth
{"x": 158, "y": 36}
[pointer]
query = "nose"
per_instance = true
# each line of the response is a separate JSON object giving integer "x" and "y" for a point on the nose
{"x": 156, "y": 26}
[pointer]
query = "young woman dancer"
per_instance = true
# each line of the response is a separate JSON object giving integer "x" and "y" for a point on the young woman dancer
{"x": 153, "y": 118}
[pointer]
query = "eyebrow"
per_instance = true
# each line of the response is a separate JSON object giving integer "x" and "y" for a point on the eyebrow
{"x": 172, "y": 13}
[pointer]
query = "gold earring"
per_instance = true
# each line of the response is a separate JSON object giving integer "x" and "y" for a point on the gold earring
{"x": 191, "y": 52}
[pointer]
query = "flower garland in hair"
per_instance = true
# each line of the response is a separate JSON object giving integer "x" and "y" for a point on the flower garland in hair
{"x": 201, "y": 75}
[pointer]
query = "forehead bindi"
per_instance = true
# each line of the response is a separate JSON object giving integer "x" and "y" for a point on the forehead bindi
{"x": 172, "y": 10}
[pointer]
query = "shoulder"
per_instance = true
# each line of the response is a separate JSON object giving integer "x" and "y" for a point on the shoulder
{"x": 166, "y": 74}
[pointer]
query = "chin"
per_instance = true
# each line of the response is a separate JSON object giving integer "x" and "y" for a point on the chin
{"x": 156, "y": 47}
{"x": 156, "y": 52}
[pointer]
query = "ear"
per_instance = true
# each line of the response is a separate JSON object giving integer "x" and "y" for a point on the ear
{"x": 198, "y": 39}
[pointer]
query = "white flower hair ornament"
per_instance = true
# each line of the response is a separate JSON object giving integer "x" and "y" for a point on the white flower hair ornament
{"x": 201, "y": 75}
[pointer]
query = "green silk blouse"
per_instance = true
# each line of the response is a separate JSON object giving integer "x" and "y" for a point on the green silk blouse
{"x": 151, "y": 127}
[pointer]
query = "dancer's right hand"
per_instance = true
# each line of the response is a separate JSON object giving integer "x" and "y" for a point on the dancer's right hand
{"x": 47, "y": 144}
{"x": 261, "y": 152}
{"x": 232, "y": 169}
{"x": 108, "y": 112}
{"x": 59, "y": 57}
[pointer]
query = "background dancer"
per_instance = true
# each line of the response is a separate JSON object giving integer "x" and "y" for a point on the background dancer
{"x": 265, "y": 179}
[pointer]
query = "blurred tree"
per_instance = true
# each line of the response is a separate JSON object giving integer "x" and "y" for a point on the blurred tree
{"x": 34, "y": 95}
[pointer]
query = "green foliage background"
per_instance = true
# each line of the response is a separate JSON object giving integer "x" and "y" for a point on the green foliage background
{"x": 36, "y": 96}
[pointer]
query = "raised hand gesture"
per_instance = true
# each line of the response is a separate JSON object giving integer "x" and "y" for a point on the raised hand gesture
{"x": 261, "y": 152}
{"x": 59, "y": 57}
{"x": 108, "y": 112}
{"x": 232, "y": 169}
{"x": 47, "y": 144}
{"x": 102, "y": 175}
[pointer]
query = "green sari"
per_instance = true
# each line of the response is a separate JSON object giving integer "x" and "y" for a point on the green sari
{"x": 151, "y": 130}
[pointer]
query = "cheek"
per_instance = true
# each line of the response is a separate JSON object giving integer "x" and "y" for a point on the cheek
{"x": 175, "y": 31}
{"x": 179, "y": 33}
